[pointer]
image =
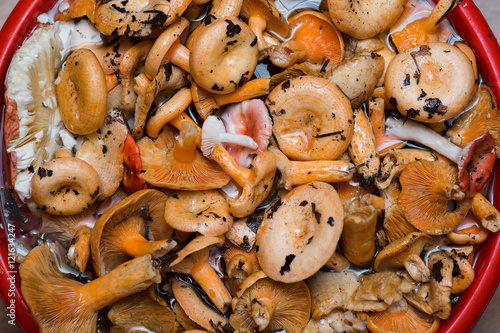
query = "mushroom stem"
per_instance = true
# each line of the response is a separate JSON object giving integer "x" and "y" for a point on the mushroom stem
{"x": 416, "y": 267}
{"x": 258, "y": 25}
{"x": 262, "y": 312}
{"x": 136, "y": 245}
{"x": 450, "y": 191}
{"x": 79, "y": 251}
{"x": 377, "y": 119}
{"x": 438, "y": 13}
{"x": 178, "y": 55}
{"x": 127, "y": 279}
{"x": 185, "y": 147}
{"x": 414, "y": 131}
{"x": 230, "y": 166}
{"x": 242, "y": 140}
{"x": 485, "y": 212}
{"x": 251, "y": 89}
{"x": 288, "y": 53}
{"x": 209, "y": 281}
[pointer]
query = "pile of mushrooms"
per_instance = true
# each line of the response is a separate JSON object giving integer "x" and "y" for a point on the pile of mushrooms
{"x": 226, "y": 166}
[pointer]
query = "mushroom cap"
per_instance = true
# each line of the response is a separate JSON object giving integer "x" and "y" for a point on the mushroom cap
{"x": 299, "y": 232}
{"x": 394, "y": 254}
{"x": 206, "y": 212}
{"x": 312, "y": 118}
{"x": 197, "y": 309}
{"x": 199, "y": 243}
{"x": 314, "y": 33}
{"x": 365, "y": 19}
{"x": 161, "y": 168}
{"x": 143, "y": 310}
{"x": 402, "y": 317}
{"x": 103, "y": 150}
{"x": 226, "y": 43}
{"x": 137, "y": 214}
{"x": 430, "y": 83}
{"x": 430, "y": 198}
{"x": 291, "y": 306}
{"x": 469, "y": 231}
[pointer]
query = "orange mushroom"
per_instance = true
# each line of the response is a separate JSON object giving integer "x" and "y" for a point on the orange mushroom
{"x": 178, "y": 164}
{"x": 313, "y": 37}
{"x": 431, "y": 198}
{"x": 401, "y": 317}
{"x": 132, "y": 228}
{"x": 424, "y": 30}
{"x": 469, "y": 231}
{"x": 376, "y": 113}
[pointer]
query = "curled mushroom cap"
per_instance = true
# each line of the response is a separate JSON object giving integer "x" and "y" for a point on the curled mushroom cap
{"x": 178, "y": 164}
{"x": 225, "y": 43}
{"x": 136, "y": 18}
{"x": 65, "y": 186}
{"x": 197, "y": 309}
{"x": 365, "y": 19}
{"x": 402, "y": 317}
{"x": 297, "y": 249}
{"x": 82, "y": 92}
{"x": 430, "y": 197}
{"x": 205, "y": 212}
{"x": 313, "y": 119}
{"x": 469, "y": 231}
{"x": 406, "y": 252}
{"x": 61, "y": 304}
{"x": 430, "y": 83}
{"x": 270, "y": 306}
{"x": 313, "y": 38}
{"x": 125, "y": 229}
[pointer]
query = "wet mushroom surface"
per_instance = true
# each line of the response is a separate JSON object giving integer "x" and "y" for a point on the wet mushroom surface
{"x": 244, "y": 166}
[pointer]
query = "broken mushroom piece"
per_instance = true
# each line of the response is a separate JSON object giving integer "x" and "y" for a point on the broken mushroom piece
{"x": 293, "y": 251}
{"x": 205, "y": 212}
{"x": 270, "y": 306}
{"x": 442, "y": 267}
{"x": 401, "y": 317}
{"x": 303, "y": 172}
{"x": 475, "y": 161}
{"x": 358, "y": 241}
{"x": 312, "y": 118}
{"x": 61, "y": 304}
{"x": 132, "y": 228}
{"x": 313, "y": 38}
{"x": 463, "y": 278}
{"x": 469, "y": 232}
{"x": 196, "y": 308}
{"x": 65, "y": 186}
{"x": 193, "y": 260}
{"x": 485, "y": 212}
{"x": 431, "y": 198}
{"x": 178, "y": 164}
{"x": 241, "y": 234}
{"x": 365, "y": 19}
{"x": 103, "y": 150}
{"x": 225, "y": 43}
{"x": 423, "y": 30}
{"x": 430, "y": 83}
{"x": 142, "y": 311}
{"x": 82, "y": 92}
{"x": 405, "y": 252}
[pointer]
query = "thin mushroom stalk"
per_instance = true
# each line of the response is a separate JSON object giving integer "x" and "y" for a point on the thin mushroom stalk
{"x": 475, "y": 161}
{"x": 262, "y": 312}
{"x": 218, "y": 135}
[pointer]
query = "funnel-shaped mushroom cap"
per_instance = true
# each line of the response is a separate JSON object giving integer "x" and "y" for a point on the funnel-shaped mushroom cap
{"x": 61, "y": 304}
{"x": 430, "y": 197}
{"x": 484, "y": 116}
{"x": 313, "y": 38}
{"x": 205, "y": 212}
{"x": 300, "y": 232}
{"x": 186, "y": 169}
{"x": 442, "y": 87}
{"x": 197, "y": 309}
{"x": 270, "y": 306}
{"x": 405, "y": 252}
{"x": 402, "y": 317}
{"x": 126, "y": 229}
{"x": 142, "y": 311}
{"x": 313, "y": 119}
